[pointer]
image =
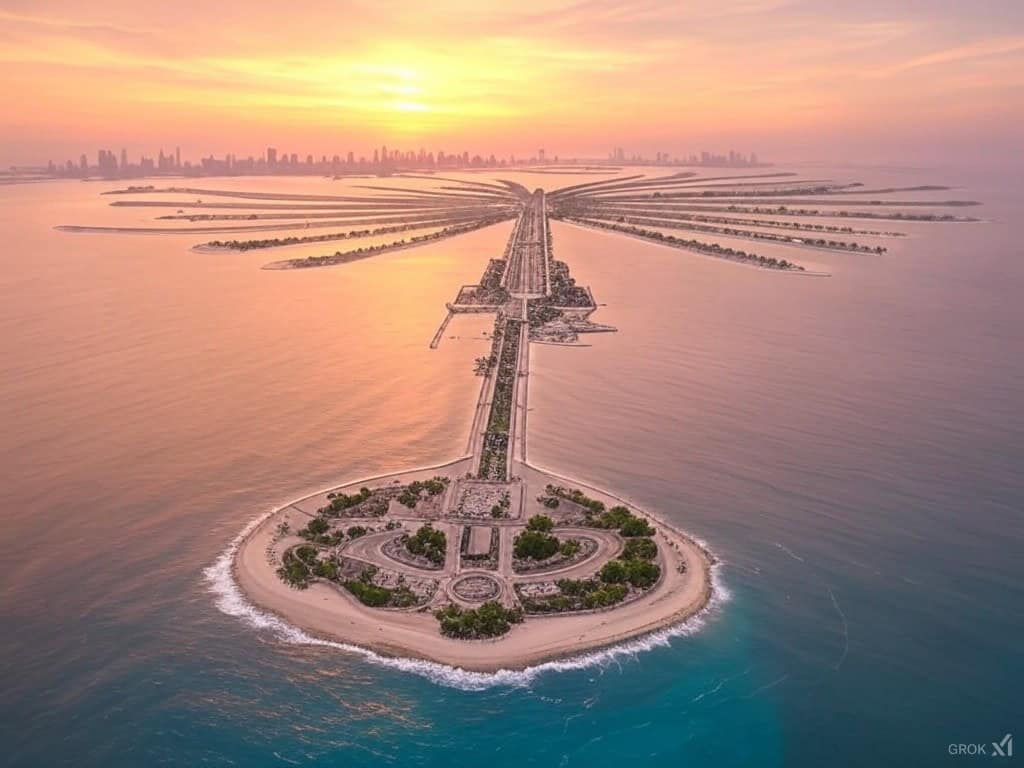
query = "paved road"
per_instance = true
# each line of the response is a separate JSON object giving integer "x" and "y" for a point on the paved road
{"x": 609, "y": 545}
{"x": 526, "y": 272}
{"x": 368, "y": 550}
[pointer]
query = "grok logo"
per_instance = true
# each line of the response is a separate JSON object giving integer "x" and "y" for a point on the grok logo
{"x": 1001, "y": 748}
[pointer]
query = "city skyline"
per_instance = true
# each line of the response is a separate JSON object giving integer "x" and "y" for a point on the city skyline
{"x": 109, "y": 164}
{"x": 860, "y": 82}
{"x": 558, "y": 383}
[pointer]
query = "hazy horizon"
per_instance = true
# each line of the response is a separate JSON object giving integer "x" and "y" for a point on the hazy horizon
{"x": 931, "y": 82}
{"x": 424, "y": 462}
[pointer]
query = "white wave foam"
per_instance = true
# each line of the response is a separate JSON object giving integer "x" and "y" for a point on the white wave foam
{"x": 231, "y": 601}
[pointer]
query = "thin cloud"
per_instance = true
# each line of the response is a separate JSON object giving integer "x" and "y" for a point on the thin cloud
{"x": 977, "y": 50}
{"x": 69, "y": 25}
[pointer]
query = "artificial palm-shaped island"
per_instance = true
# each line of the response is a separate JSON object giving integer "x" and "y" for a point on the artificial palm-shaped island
{"x": 489, "y": 562}
{"x": 486, "y": 562}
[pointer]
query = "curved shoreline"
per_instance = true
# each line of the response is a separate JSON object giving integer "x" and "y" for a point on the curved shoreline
{"x": 267, "y": 602}
{"x": 232, "y": 600}
{"x": 492, "y": 491}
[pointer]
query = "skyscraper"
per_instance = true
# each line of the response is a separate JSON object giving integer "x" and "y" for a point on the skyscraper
{"x": 271, "y": 156}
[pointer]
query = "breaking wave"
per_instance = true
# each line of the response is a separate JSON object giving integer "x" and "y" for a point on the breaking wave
{"x": 230, "y": 600}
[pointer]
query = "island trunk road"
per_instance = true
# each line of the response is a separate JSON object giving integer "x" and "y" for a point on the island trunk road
{"x": 526, "y": 276}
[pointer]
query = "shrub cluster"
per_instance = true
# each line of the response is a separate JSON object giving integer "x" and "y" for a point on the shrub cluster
{"x": 556, "y": 492}
{"x": 639, "y": 548}
{"x": 625, "y": 522}
{"x": 412, "y": 493}
{"x": 317, "y": 532}
{"x": 301, "y": 565}
{"x": 536, "y": 542}
{"x": 534, "y": 545}
{"x": 640, "y": 573}
{"x": 339, "y": 502}
{"x": 501, "y": 508}
{"x": 376, "y": 596}
{"x": 633, "y": 570}
{"x": 495, "y": 450}
{"x": 428, "y": 542}
{"x": 491, "y": 619}
{"x": 578, "y": 595}
{"x": 295, "y": 571}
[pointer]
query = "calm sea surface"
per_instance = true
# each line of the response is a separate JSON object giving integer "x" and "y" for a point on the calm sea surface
{"x": 850, "y": 447}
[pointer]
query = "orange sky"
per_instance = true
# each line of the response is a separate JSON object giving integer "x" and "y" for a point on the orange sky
{"x": 869, "y": 80}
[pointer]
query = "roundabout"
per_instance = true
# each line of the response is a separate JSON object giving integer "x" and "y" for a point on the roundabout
{"x": 475, "y": 587}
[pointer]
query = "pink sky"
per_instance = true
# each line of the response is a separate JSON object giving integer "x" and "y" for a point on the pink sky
{"x": 865, "y": 80}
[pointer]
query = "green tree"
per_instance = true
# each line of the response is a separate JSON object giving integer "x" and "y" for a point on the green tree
{"x": 368, "y": 594}
{"x": 428, "y": 542}
{"x": 541, "y": 523}
{"x": 326, "y": 569}
{"x": 641, "y": 573}
{"x": 639, "y": 549}
{"x": 613, "y": 572}
{"x": 534, "y": 545}
{"x": 636, "y": 526}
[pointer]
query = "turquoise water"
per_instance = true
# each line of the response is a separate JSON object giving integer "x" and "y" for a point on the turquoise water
{"x": 849, "y": 447}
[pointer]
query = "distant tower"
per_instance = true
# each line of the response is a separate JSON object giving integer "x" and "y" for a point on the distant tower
{"x": 124, "y": 158}
{"x": 271, "y": 156}
{"x": 177, "y": 157}
{"x": 540, "y": 155}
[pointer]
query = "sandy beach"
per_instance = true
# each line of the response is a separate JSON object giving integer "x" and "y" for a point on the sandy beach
{"x": 328, "y": 611}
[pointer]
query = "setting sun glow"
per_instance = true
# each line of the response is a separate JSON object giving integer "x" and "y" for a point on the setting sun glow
{"x": 580, "y": 77}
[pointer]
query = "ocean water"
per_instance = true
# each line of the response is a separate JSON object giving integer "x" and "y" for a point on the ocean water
{"x": 849, "y": 447}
